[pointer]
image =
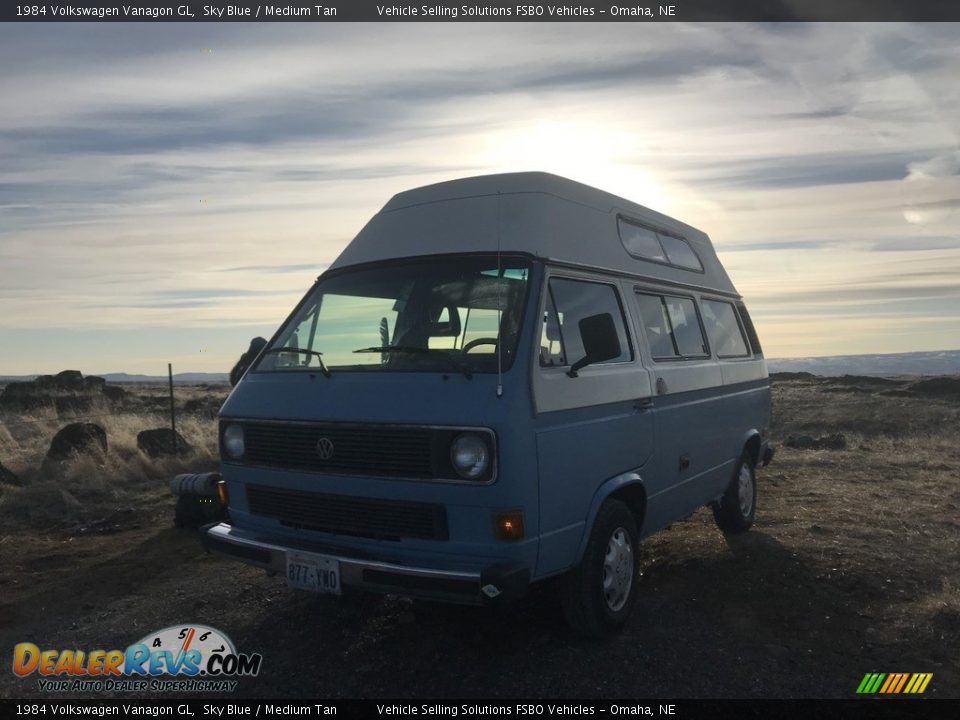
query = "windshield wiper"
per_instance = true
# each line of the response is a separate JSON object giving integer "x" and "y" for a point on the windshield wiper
{"x": 323, "y": 368}
{"x": 453, "y": 362}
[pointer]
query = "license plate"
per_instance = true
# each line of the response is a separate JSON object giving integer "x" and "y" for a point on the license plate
{"x": 317, "y": 573}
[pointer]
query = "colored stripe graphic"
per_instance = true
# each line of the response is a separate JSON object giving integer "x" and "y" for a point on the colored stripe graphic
{"x": 903, "y": 681}
{"x": 922, "y": 679}
{"x": 894, "y": 683}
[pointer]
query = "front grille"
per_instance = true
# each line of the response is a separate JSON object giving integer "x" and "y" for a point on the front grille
{"x": 391, "y": 451}
{"x": 356, "y": 449}
{"x": 347, "y": 515}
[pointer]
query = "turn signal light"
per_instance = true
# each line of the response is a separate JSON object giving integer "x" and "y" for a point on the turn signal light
{"x": 509, "y": 525}
{"x": 222, "y": 493}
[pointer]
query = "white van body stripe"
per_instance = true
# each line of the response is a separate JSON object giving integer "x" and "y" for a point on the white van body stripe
{"x": 738, "y": 371}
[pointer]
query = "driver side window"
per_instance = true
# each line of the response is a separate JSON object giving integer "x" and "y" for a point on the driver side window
{"x": 569, "y": 302}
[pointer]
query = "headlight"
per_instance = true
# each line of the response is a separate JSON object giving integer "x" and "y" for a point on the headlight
{"x": 470, "y": 456}
{"x": 233, "y": 441}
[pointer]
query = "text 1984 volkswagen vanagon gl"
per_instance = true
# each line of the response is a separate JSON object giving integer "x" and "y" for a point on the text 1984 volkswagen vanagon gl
{"x": 500, "y": 380}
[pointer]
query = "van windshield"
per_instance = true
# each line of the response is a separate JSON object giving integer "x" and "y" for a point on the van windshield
{"x": 430, "y": 315}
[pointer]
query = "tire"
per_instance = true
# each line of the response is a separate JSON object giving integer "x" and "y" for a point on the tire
{"x": 737, "y": 508}
{"x": 590, "y": 607}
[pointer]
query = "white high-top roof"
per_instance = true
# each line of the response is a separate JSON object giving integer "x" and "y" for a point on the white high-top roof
{"x": 545, "y": 215}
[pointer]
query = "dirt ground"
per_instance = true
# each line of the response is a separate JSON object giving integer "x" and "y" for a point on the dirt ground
{"x": 853, "y": 566}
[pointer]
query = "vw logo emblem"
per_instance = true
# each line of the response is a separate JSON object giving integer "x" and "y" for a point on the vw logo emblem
{"x": 325, "y": 448}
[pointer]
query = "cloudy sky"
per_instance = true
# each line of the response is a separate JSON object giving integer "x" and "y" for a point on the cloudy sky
{"x": 167, "y": 192}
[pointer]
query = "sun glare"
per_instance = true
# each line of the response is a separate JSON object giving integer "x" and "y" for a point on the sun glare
{"x": 588, "y": 153}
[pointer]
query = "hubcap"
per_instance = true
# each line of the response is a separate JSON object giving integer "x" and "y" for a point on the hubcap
{"x": 745, "y": 486}
{"x": 618, "y": 570}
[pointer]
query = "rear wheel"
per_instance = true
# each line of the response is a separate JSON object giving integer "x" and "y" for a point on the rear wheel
{"x": 735, "y": 511}
{"x": 598, "y": 595}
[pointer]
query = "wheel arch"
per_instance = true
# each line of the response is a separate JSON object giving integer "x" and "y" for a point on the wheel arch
{"x": 627, "y": 487}
{"x": 752, "y": 444}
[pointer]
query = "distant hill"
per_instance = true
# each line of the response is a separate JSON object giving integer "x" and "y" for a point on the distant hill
{"x": 178, "y": 378}
{"x": 944, "y": 362}
{"x": 188, "y": 377}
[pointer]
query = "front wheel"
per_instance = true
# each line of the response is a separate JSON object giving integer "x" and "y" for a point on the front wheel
{"x": 598, "y": 595}
{"x": 735, "y": 511}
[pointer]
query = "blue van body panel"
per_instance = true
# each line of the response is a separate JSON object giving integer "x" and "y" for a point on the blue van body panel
{"x": 571, "y": 482}
{"x": 406, "y": 399}
{"x": 688, "y": 423}
{"x": 578, "y": 450}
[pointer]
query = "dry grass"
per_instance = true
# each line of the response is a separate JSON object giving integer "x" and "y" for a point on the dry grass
{"x": 87, "y": 487}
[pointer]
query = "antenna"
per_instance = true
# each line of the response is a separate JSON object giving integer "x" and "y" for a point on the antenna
{"x": 499, "y": 308}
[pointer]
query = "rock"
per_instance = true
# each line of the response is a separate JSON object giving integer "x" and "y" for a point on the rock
{"x": 836, "y": 441}
{"x": 158, "y": 442}
{"x": 77, "y": 438}
{"x": 68, "y": 392}
{"x": 792, "y": 376}
{"x": 19, "y": 400}
{"x": 69, "y": 380}
{"x": 17, "y": 389}
{"x": 43, "y": 382}
{"x": 866, "y": 380}
{"x": 8, "y": 477}
{"x": 206, "y": 406}
{"x": 72, "y": 404}
{"x": 938, "y": 387}
{"x": 114, "y": 393}
{"x": 95, "y": 384}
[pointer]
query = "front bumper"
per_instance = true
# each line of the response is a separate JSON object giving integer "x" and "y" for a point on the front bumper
{"x": 495, "y": 584}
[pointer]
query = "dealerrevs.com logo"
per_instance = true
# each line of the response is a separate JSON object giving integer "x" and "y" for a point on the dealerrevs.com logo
{"x": 179, "y": 658}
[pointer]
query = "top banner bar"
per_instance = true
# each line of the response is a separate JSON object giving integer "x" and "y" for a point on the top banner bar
{"x": 496, "y": 11}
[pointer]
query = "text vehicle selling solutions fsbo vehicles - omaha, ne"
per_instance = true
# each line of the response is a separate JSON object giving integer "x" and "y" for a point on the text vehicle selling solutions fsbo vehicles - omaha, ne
{"x": 501, "y": 379}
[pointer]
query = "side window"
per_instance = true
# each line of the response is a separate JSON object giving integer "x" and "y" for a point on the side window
{"x": 569, "y": 302}
{"x": 724, "y": 330}
{"x": 751, "y": 330}
{"x": 659, "y": 246}
{"x": 671, "y": 326}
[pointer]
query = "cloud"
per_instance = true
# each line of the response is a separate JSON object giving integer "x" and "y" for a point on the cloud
{"x": 200, "y": 176}
{"x": 274, "y": 268}
{"x": 803, "y": 171}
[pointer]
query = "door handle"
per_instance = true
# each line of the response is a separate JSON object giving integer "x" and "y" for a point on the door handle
{"x": 643, "y": 404}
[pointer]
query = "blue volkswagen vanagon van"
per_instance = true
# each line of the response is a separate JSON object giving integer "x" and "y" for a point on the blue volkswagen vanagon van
{"x": 501, "y": 379}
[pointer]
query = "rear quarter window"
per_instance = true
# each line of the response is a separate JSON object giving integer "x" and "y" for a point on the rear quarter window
{"x": 723, "y": 327}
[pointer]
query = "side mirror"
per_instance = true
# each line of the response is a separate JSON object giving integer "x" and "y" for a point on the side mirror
{"x": 600, "y": 342}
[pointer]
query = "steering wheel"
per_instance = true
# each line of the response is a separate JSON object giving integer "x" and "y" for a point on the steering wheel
{"x": 478, "y": 341}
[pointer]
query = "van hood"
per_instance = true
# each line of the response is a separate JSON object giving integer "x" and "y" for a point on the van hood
{"x": 377, "y": 397}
